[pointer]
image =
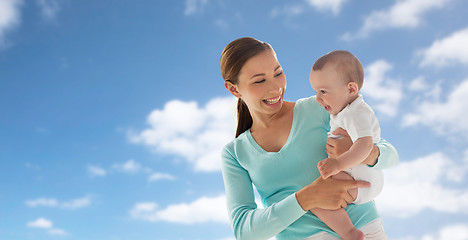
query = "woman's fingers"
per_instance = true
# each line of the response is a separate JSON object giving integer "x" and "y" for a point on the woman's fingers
{"x": 330, "y": 147}
{"x": 348, "y": 198}
{"x": 329, "y": 194}
{"x": 352, "y": 184}
{"x": 361, "y": 184}
{"x": 340, "y": 131}
{"x": 330, "y": 154}
{"x": 329, "y": 150}
{"x": 336, "y": 147}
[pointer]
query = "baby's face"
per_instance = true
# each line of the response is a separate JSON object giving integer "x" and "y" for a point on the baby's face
{"x": 332, "y": 92}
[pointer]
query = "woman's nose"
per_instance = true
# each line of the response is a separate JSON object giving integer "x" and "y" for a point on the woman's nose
{"x": 276, "y": 88}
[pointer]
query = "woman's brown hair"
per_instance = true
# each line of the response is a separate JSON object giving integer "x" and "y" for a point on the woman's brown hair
{"x": 233, "y": 58}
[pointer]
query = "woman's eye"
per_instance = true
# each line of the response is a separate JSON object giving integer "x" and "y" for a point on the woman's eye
{"x": 279, "y": 74}
{"x": 263, "y": 80}
{"x": 323, "y": 91}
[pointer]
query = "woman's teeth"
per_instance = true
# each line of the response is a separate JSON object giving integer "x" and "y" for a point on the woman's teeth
{"x": 272, "y": 101}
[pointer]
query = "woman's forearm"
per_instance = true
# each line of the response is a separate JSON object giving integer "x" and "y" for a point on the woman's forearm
{"x": 248, "y": 221}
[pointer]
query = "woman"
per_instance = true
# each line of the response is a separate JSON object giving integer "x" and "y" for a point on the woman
{"x": 277, "y": 147}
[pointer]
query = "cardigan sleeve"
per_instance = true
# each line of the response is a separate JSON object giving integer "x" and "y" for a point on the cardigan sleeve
{"x": 388, "y": 155}
{"x": 248, "y": 221}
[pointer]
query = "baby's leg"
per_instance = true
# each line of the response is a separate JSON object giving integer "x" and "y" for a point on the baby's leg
{"x": 338, "y": 220}
{"x": 344, "y": 176}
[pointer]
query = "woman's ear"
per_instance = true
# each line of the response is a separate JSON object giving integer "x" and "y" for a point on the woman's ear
{"x": 353, "y": 88}
{"x": 232, "y": 89}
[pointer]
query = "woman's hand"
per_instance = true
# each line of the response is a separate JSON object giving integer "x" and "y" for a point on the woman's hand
{"x": 337, "y": 146}
{"x": 328, "y": 193}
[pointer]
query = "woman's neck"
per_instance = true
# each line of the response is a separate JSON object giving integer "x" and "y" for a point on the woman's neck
{"x": 262, "y": 121}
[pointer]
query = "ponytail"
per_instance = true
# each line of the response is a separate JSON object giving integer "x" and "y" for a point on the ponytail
{"x": 244, "y": 119}
{"x": 233, "y": 58}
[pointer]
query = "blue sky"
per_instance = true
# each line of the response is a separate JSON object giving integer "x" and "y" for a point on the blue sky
{"x": 113, "y": 113}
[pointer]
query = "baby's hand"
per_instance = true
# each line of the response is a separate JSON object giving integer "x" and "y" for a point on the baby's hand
{"x": 328, "y": 167}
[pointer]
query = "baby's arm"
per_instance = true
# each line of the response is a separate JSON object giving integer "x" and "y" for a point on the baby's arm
{"x": 356, "y": 153}
{"x": 354, "y": 156}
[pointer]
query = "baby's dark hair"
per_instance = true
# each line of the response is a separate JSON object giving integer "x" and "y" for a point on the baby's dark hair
{"x": 346, "y": 65}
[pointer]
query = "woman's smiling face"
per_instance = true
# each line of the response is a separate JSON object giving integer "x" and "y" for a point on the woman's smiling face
{"x": 262, "y": 83}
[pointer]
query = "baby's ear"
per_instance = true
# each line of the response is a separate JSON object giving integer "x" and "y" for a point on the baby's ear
{"x": 353, "y": 88}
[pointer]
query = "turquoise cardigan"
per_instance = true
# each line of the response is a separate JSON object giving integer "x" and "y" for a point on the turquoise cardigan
{"x": 277, "y": 176}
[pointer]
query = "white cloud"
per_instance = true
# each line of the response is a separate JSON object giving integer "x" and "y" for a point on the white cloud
{"x": 194, "y": 6}
{"x": 49, "y": 8}
{"x": 195, "y": 134}
{"x": 52, "y": 202}
{"x": 445, "y": 118}
{"x": 9, "y": 17}
{"x": 446, "y": 51}
{"x": 451, "y": 232}
{"x": 57, "y": 231}
{"x": 296, "y": 9}
{"x": 221, "y": 24}
{"x": 418, "y": 84}
{"x": 327, "y": 5}
{"x": 47, "y": 202}
{"x": 32, "y": 166}
{"x": 95, "y": 171}
{"x": 47, "y": 224}
{"x": 419, "y": 89}
{"x": 385, "y": 91}
{"x": 40, "y": 223}
{"x": 288, "y": 10}
{"x": 421, "y": 184}
{"x": 160, "y": 176}
{"x": 77, "y": 203}
{"x": 130, "y": 166}
{"x": 403, "y": 14}
{"x": 200, "y": 211}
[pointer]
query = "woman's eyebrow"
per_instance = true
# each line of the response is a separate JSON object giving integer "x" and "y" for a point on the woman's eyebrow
{"x": 263, "y": 74}
{"x": 257, "y": 75}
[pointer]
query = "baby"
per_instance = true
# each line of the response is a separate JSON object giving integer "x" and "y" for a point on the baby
{"x": 337, "y": 78}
